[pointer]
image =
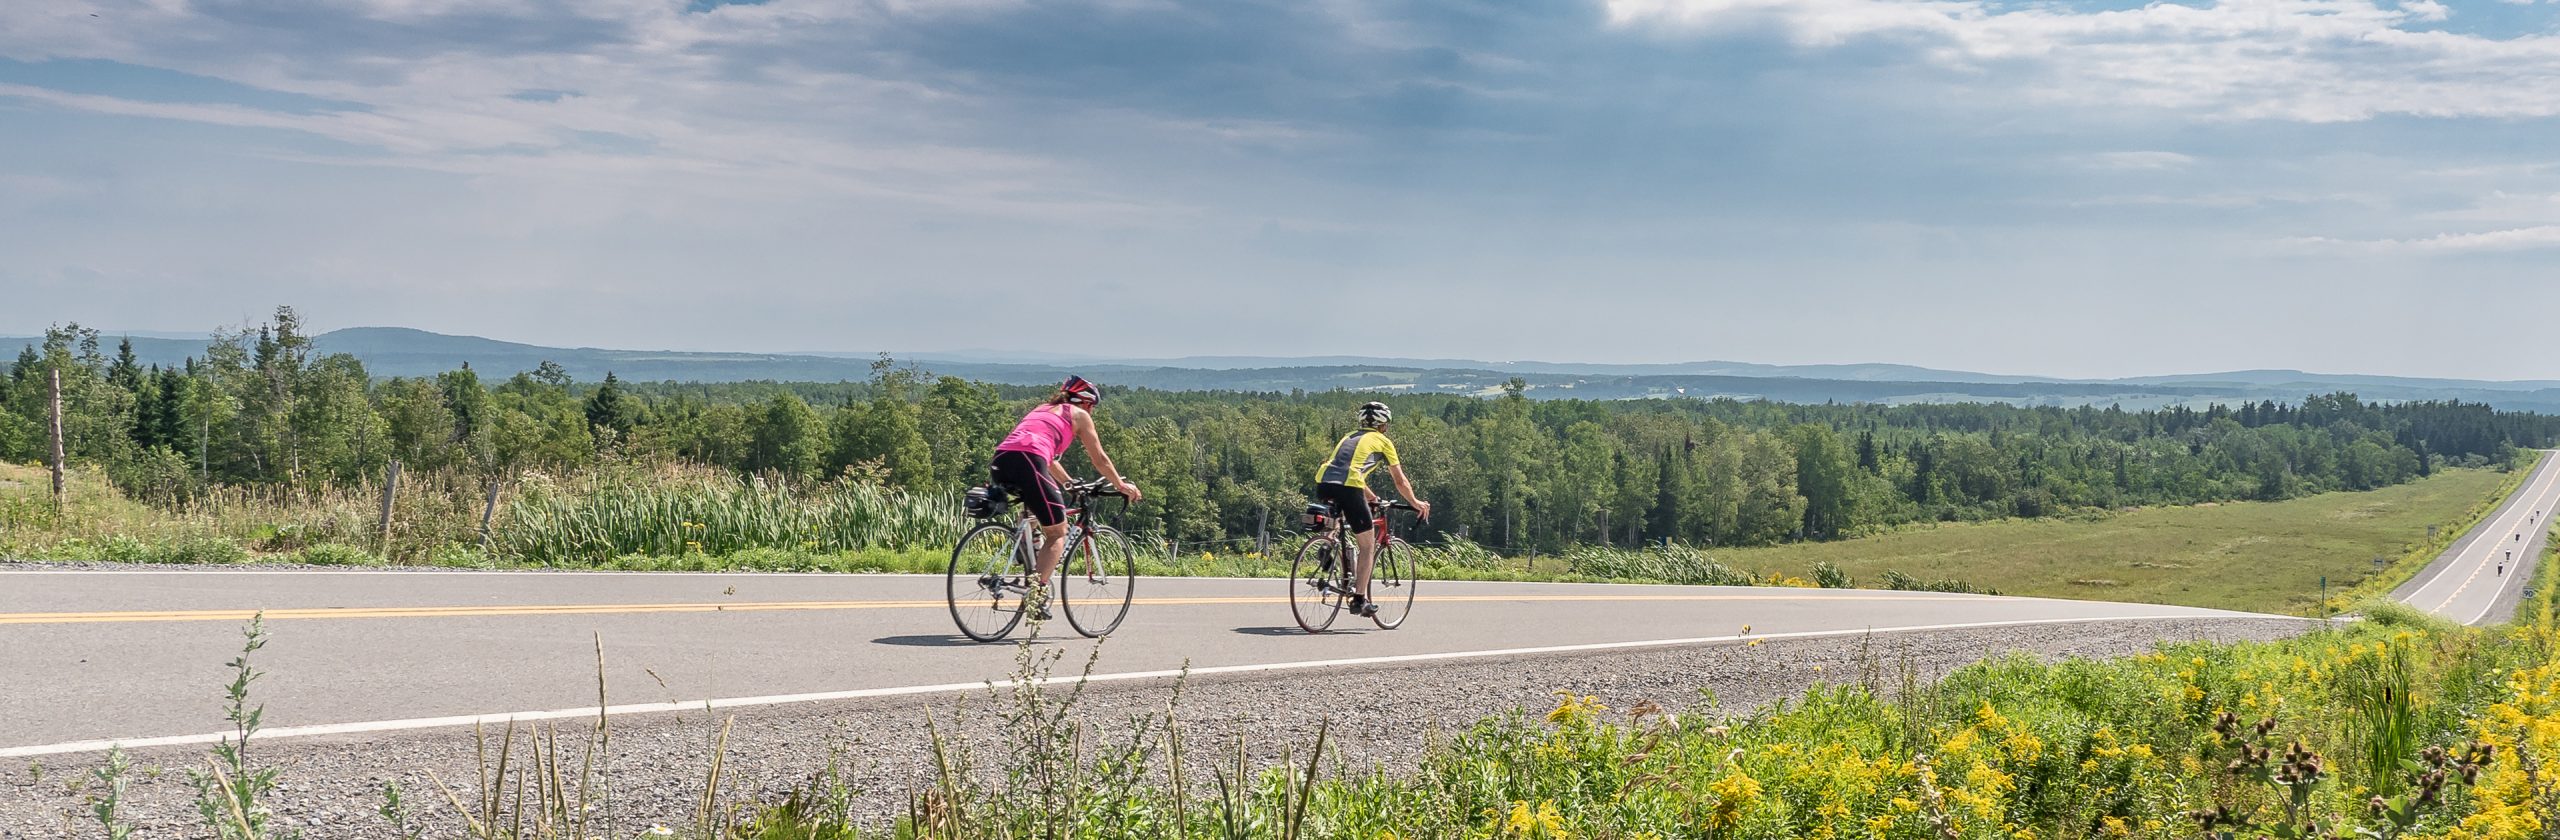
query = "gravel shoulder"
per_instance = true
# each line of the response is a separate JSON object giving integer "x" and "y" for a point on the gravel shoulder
{"x": 1378, "y": 716}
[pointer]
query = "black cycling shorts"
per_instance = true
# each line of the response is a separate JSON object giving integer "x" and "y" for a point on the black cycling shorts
{"x": 1027, "y": 475}
{"x": 1353, "y": 503}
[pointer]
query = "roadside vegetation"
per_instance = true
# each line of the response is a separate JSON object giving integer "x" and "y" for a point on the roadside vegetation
{"x": 263, "y": 415}
{"x": 676, "y": 518}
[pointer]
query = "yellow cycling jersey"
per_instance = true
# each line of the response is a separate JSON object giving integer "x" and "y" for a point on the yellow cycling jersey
{"x": 1357, "y": 454}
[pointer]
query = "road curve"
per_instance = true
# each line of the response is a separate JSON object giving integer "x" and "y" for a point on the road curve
{"x": 2480, "y": 579}
{"x": 138, "y": 656}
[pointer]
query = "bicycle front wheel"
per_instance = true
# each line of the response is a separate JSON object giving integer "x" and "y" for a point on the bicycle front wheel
{"x": 1315, "y": 590}
{"x": 1391, "y": 583}
{"x": 986, "y": 583}
{"x": 1096, "y": 584}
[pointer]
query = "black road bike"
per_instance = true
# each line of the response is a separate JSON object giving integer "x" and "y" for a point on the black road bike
{"x": 1321, "y": 580}
{"x": 989, "y": 583}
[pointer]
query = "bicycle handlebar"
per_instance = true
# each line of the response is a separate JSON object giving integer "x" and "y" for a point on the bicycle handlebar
{"x": 1398, "y": 504}
{"x": 1096, "y": 487}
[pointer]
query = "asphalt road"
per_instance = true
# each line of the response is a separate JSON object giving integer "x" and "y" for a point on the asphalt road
{"x": 2482, "y": 577}
{"x": 138, "y": 656}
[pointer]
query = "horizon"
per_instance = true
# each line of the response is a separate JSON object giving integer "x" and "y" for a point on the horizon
{"x": 1031, "y": 358}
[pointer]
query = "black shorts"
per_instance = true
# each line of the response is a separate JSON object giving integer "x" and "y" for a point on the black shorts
{"x": 1027, "y": 476}
{"x": 1353, "y": 503}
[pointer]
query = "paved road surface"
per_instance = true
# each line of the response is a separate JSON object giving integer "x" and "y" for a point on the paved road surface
{"x": 135, "y": 655}
{"x": 2482, "y": 577}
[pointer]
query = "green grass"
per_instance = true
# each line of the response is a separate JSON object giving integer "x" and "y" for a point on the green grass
{"x": 2257, "y": 556}
{"x": 2386, "y": 729}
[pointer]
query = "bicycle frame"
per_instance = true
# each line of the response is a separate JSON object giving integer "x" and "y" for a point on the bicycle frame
{"x": 1079, "y": 528}
{"x": 1382, "y": 521}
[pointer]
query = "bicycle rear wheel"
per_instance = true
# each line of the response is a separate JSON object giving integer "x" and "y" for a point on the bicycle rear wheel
{"x": 1096, "y": 584}
{"x": 1315, "y": 596}
{"x": 1391, "y": 583}
{"x": 986, "y": 583}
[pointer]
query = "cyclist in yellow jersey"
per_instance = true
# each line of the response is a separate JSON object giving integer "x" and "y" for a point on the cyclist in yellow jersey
{"x": 1343, "y": 481}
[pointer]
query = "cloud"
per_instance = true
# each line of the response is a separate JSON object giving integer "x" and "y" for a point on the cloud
{"x": 2534, "y": 238}
{"x": 2149, "y": 160}
{"x": 2296, "y": 60}
{"x": 869, "y": 173}
{"x": 2505, "y": 207}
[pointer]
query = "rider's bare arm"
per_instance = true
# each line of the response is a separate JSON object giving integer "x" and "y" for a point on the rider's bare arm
{"x": 1396, "y": 471}
{"x": 1101, "y": 460}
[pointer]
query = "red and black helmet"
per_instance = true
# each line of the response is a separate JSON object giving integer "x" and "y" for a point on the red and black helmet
{"x": 1079, "y": 391}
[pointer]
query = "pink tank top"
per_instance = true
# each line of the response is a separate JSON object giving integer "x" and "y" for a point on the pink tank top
{"x": 1044, "y": 432}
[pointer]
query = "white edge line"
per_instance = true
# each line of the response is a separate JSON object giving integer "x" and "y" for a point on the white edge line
{"x": 2515, "y": 505}
{"x": 865, "y": 693}
{"x": 2543, "y": 471}
{"x": 2532, "y": 548}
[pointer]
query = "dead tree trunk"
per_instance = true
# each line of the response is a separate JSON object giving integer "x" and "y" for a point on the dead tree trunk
{"x": 390, "y": 489}
{"x": 57, "y": 439}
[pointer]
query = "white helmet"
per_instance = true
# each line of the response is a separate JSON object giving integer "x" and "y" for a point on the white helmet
{"x": 1375, "y": 414}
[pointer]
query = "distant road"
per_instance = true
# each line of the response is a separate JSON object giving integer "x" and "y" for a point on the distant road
{"x": 2482, "y": 577}
{"x": 136, "y": 656}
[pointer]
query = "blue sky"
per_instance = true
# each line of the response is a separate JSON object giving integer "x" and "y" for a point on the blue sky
{"x": 2075, "y": 189}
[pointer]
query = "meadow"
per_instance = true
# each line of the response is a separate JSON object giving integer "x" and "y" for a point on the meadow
{"x": 2259, "y": 556}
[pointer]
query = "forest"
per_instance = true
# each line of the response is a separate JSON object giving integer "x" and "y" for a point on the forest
{"x": 261, "y": 408}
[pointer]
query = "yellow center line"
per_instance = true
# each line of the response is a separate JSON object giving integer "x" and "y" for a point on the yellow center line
{"x": 289, "y": 614}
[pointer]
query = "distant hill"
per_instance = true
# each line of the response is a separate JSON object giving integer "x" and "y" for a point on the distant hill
{"x": 395, "y": 351}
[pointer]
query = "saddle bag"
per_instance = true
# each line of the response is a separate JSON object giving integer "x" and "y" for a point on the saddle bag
{"x": 1317, "y": 518}
{"x": 984, "y": 502}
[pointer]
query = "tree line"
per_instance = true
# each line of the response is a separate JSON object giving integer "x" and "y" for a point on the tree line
{"x": 262, "y": 408}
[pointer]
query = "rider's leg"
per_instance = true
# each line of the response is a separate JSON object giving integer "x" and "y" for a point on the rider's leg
{"x": 1363, "y": 560}
{"x": 1053, "y": 544}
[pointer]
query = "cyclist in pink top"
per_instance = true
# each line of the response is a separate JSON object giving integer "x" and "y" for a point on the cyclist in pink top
{"x": 1027, "y": 464}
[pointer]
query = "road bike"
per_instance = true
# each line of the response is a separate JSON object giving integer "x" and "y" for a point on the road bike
{"x": 1321, "y": 580}
{"x": 989, "y": 583}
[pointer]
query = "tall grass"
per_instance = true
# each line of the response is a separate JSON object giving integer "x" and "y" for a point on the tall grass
{"x": 591, "y": 521}
{"x": 434, "y": 515}
{"x": 1669, "y": 563}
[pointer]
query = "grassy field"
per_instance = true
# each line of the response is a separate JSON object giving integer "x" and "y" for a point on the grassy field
{"x": 2258, "y": 556}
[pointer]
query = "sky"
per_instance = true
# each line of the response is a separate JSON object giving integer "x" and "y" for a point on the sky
{"x": 2077, "y": 188}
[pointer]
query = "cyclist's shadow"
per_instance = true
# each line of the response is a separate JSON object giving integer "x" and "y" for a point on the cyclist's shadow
{"x": 954, "y": 640}
{"x": 1297, "y": 631}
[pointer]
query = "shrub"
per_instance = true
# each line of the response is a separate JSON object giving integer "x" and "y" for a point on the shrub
{"x": 1671, "y": 563}
{"x": 1460, "y": 552}
{"x": 334, "y": 554}
{"x": 2385, "y": 612}
{"x": 201, "y": 551}
{"x": 1829, "y": 576}
{"x": 1894, "y": 579}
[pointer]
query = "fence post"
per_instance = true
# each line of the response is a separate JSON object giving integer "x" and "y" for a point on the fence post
{"x": 390, "y": 488}
{"x": 57, "y": 440}
{"x": 489, "y": 511}
{"x": 1262, "y": 531}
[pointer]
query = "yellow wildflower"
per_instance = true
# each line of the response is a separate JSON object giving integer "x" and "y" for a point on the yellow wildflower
{"x": 1735, "y": 795}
